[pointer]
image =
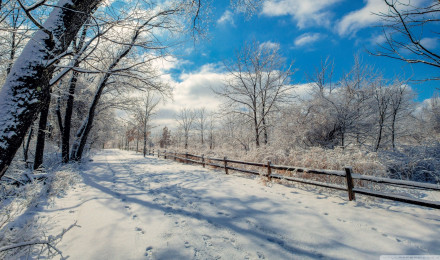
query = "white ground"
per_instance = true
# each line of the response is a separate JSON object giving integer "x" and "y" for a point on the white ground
{"x": 130, "y": 207}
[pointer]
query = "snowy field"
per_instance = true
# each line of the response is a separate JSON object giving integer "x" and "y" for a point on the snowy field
{"x": 130, "y": 207}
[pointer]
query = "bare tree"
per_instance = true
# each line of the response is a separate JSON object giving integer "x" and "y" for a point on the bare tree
{"x": 323, "y": 77}
{"x": 185, "y": 118}
{"x": 202, "y": 123}
{"x": 15, "y": 32}
{"x": 211, "y": 129}
{"x": 258, "y": 80}
{"x": 401, "y": 106}
{"x": 141, "y": 35}
{"x": 78, "y": 44}
{"x": 381, "y": 97}
{"x": 149, "y": 102}
{"x": 405, "y": 29}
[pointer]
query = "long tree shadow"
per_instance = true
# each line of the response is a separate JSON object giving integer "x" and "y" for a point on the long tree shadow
{"x": 222, "y": 221}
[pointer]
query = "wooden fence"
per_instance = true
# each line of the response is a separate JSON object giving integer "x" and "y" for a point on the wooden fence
{"x": 347, "y": 173}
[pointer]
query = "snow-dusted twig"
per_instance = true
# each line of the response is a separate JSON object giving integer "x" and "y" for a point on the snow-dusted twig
{"x": 11, "y": 178}
{"x": 49, "y": 242}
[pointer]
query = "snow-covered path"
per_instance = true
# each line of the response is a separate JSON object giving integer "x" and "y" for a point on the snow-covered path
{"x": 130, "y": 207}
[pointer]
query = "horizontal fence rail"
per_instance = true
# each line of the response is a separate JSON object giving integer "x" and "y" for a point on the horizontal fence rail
{"x": 346, "y": 173}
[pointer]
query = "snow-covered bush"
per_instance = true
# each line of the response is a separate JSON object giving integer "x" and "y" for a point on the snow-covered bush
{"x": 20, "y": 197}
{"x": 416, "y": 163}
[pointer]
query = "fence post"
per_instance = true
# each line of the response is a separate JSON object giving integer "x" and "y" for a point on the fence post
{"x": 153, "y": 153}
{"x": 349, "y": 179}
{"x": 203, "y": 160}
{"x": 186, "y": 157}
{"x": 165, "y": 154}
{"x": 158, "y": 153}
{"x": 175, "y": 155}
{"x": 225, "y": 159}
{"x": 269, "y": 171}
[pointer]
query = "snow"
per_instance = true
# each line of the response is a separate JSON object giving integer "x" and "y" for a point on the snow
{"x": 130, "y": 207}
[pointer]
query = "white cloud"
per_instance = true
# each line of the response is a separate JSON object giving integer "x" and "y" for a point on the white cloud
{"x": 429, "y": 43}
{"x": 378, "y": 39}
{"x": 367, "y": 15}
{"x": 361, "y": 18}
{"x": 269, "y": 45}
{"x": 226, "y": 18}
{"x": 305, "y": 13}
{"x": 194, "y": 90}
{"x": 307, "y": 38}
{"x": 303, "y": 91}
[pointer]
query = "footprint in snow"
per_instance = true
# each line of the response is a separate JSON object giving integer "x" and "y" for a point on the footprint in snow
{"x": 207, "y": 239}
{"x": 149, "y": 251}
{"x": 261, "y": 255}
{"x": 138, "y": 229}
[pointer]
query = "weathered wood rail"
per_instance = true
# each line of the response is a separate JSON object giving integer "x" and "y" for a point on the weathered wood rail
{"x": 346, "y": 173}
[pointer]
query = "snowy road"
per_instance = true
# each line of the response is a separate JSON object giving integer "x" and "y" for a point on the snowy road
{"x": 131, "y": 207}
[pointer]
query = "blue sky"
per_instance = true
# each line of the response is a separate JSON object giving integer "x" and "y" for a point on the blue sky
{"x": 306, "y": 31}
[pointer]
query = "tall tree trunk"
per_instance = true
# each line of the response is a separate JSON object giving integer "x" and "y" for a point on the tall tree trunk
{"x": 145, "y": 138}
{"x": 68, "y": 118}
{"x": 59, "y": 119}
{"x": 41, "y": 136}
{"x": 145, "y": 143}
{"x": 263, "y": 117}
{"x": 265, "y": 131}
{"x": 23, "y": 91}
{"x": 257, "y": 132}
{"x": 65, "y": 139}
{"x": 393, "y": 131}
{"x": 379, "y": 137}
{"x": 137, "y": 141}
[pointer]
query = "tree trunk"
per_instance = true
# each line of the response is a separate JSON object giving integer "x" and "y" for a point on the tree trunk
{"x": 145, "y": 142}
{"x": 59, "y": 118}
{"x": 393, "y": 131}
{"x": 23, "y": 91}
{"x": 265, "y": 131}
{"x": 263, "y": 117}
{"x": 69, "y": 105}
{"x": 257, "y": 132}
{"x": 379, "y": 138}
{"x": 41, "y": 136}
{"x": 28, "y": 142}
{"x": 68, "y": 118}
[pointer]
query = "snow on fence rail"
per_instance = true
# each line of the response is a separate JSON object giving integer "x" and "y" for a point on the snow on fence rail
{"x": 346, "y": 173}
